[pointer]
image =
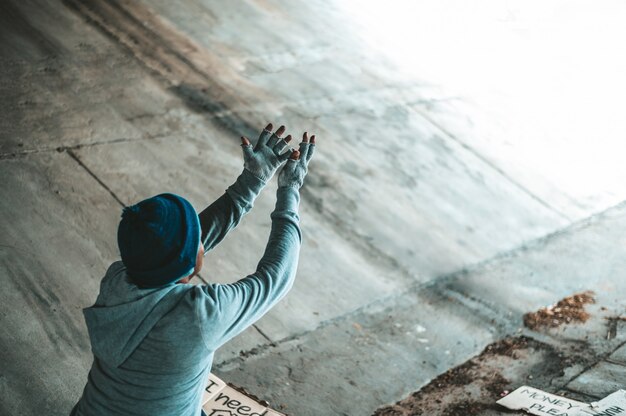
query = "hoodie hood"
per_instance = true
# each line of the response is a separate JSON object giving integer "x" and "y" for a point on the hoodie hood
{"x": 124, "y": 314}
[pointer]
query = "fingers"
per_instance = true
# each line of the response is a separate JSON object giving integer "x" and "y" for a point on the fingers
{"x": 307, "y": 146}
{"x": 245, "y": 145}
{"x": 276, "y": 136}
{"x": 265, "y": 136}
{"x": 304, "y": 147}
{"x": 280, "y": 146}
{"x": 287, "y": 155}
{"x": 310, "y": 150}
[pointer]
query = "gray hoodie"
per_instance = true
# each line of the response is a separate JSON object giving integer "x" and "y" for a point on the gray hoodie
{"x": 153, "y": 348}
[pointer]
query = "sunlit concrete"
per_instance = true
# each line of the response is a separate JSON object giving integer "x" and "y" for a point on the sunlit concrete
{"x": 535, "y": 87}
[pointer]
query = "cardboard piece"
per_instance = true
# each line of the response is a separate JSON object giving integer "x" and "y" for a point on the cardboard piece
{"x": 540, "y": 403}
{"x": 220, "y": 399}
{"x": 612, "y": 405}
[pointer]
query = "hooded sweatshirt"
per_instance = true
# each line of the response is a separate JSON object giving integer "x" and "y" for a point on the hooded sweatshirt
{"x": 153, "y": 348}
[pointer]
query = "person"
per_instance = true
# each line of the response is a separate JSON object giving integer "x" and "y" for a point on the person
{"x": 153, "y": 334}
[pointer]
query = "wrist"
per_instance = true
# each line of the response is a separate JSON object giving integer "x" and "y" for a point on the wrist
{"x": 287, "y": 198}
{"x": 256, "y": 174}
{"x": 252, "y": 179}
{"x": 289, "y": 182}
{"x": 292, "y": 185}
{"x": 246, "y": 188}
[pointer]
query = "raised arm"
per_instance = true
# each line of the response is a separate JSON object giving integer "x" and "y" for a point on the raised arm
{"x": 260, "y": 163}
{"x": 229, "y": 309}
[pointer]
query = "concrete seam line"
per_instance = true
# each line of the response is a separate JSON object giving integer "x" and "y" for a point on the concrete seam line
{"x": 604, "y": 357}
{"x": 264, "y": 334}
{"x": 93, "y": 175}
{"x": 445, "y": 279}
{"x": 492, "y": 166}
{"x": 22, "y": 153}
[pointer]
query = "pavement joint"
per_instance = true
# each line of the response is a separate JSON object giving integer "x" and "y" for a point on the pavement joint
{"x": 22, "y": 153}
{"x": 158, "y": 52}
{"x": 483, "y": 309}
{"x": 93, "y": 175}
{"x": 492, "y": 165}
{"x": 507, "y": 364}
{"x": 362, "y": 243}
{"x": 441, "y": 281}
{"x": 264, "y": 335}
{"x": 335, "y": 113}
{"x": 606, "y": 356}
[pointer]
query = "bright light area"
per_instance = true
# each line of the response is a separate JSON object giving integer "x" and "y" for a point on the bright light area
{"x": 542, "y": 83}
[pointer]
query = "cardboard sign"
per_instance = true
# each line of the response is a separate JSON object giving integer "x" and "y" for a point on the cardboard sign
{"x": 541, "y": 403}
{"x": 222, "y": 400}
{"x": 612, "y": 405}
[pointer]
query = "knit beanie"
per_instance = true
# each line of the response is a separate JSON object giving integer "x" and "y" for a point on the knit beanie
{"x": 158, "y": 240}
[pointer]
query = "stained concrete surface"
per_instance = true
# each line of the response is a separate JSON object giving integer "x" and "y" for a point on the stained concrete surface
{"x": 601, "y": 380}
{"x": 45, "y": 285}
{"x": 106, "y": 103}
{"x": 424, "y": 331}
{"x": 57, "y": 84}
{"x": 474, "y": 387}
{"x": 619, "y": 356}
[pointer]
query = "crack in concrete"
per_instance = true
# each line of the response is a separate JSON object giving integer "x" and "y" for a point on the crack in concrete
{"x": 481, "y": 380}
{"x": 156, "y": 45}
{"x": 22, "y": 153}
{"x": 485, "y": 160}
{"x": 482, "y": 309}
{"x": 602, "y": 357}
{"x": 360, "y": 242}
{"x": 436, "y": 284}
{"x": 264, "y": 335}
{"x": 93, "y": 175}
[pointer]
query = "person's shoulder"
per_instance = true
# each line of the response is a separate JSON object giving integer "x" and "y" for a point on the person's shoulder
{"x": 115, "y": 272}
{"x": 209, "y": 294}
{"x": 115, "y": 268}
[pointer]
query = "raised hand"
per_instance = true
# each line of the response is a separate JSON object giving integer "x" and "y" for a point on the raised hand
{"x": 264, "y": 159}
{"x": 295, "y": 170}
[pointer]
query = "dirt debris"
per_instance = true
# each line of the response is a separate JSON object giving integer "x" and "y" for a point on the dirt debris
{"x": 507, "y": 347}
{"x": 464, "y": 408}
{"x": 473, "y": 387}
{"x": 496, "y": 384}
{"x": 567, "y": 310}
{"x": 458, "y": 376}
{"x": 247, "y": 393}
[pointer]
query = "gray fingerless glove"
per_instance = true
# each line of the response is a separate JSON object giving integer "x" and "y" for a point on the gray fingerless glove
{"x": 266, "y": 157}
{"x": 294, "y": 171}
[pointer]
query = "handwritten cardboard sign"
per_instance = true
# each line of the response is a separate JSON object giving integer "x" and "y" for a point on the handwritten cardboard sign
{"x": 612, "y": 405}
{"x": 222, "y": 400}
{"x": 541, "y": 403}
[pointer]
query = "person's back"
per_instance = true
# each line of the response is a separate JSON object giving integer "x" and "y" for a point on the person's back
{"x": 153, "y": 344}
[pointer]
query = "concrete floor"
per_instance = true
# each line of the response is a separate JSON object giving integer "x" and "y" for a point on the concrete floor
{"x": 440, "y": 151}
